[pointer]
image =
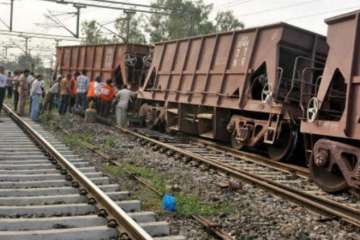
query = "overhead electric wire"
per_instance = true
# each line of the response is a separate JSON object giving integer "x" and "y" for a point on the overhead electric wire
{"x": 278, "y": 8}
{"x": 323, "y": 12}
{"x": 133, "y": 4}
{"x": 107, "y": 7}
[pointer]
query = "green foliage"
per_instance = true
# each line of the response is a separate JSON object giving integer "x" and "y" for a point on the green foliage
{"x": 188, "y": 18}
{"x": 76, "y": 139}
{"x": 92, "y": 33}
{"x": 33, "y": 63}
{"x": 226, "y": 21}
{"x": 130, "y": 28}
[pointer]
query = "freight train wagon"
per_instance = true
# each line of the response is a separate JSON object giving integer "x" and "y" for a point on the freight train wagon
{"x": 242, "y": 87}
{"x": 125, "y": 63}
{"x": 332, "y": 125}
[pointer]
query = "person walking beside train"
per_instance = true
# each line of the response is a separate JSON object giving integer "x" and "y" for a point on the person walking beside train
{"x": 124, "y": 97}
{"x": 23, "y": 91}
{"x": 36, "y": 92}
{"x": 15, "y": 85}
{"x": 3, "y": 81}
{"x": 107, "y": 93}
{"x": 65, "y": 91}
{"x": 82, "y": 84}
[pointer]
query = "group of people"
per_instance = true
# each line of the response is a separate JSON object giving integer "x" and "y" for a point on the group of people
{"x": 22, "y": 87}
{"x": 74, "y": 92}
{"x": 77, "y": 93}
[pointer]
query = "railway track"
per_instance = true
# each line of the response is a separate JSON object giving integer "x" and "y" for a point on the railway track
{"x": 288, "y": 181}
{"x": 47, "y": 192}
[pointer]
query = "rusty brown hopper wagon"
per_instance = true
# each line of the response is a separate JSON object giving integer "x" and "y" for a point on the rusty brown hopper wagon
{"x": 122, "y": 62}
{"x": 332, "y": 126}
{"x": 242, "y": 86}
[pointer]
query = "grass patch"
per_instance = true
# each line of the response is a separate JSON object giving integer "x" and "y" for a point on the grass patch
{"x": 77, "y": 138}
{"x": 109, "y": 143}
{"x": 186, "y": 204}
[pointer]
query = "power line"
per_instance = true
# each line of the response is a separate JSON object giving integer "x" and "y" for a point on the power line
{"x": 278, "y": 8}
{"x": 106, "y": 6}
{"x": 38, "y": 35}
{"x": 132, "y": 4}
{"x": 233, "y": 3}
{"x": 323, "y": 12}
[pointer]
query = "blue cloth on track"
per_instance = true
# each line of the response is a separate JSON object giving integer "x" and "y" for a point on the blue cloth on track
{"x": 169, "y": 203}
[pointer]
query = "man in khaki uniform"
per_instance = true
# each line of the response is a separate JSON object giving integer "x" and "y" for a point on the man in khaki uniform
{"x": 23, "y": 91}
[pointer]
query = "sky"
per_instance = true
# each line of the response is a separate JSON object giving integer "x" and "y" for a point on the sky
{"x": 29, "y": 16}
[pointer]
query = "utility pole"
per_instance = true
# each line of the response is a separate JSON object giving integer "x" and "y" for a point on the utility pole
{"x": 78, "y": 11}
{"x": 129, "y": 14}
{"x": 27, "y": 45}
{"x": 11, "y": 15}
{"x": 57, "y": 41}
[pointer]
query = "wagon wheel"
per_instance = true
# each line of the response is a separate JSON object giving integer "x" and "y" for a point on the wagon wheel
{"x": 236, "y": 143}
{"x": 130, "y": 60}
{"x": 147, "y": 60}
{"x": 266, "y": 93}
{"x": 284, "y": 145}
{"x": 327, "y": 176}
{"x": 312, "y": 109}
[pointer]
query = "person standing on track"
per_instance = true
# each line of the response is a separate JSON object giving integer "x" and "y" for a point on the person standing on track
{"x": 9, "y": 85}
{"x": 50, "y": 96}
{"x": 30, "y": 79}
{"x": 15, "y": 84}
{"x": 23, "y": 91}
{"x": 91, "y": 92}
{"x": 3, "y": 81}
{"x": 98, "y": 85}
{"x": 36, "y": 92}
{"x": 73, "y": 92}
{"x": 65, "y": 90}
{"x": 107, "y": 93}
{"x": 82, "y": 84}
{"x": 124, "y": 96}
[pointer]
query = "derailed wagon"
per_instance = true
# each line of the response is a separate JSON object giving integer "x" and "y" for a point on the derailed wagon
{"x": 332, "y": 126}
{"x": 125, "y": 63}
{"x": 243, "y": 87}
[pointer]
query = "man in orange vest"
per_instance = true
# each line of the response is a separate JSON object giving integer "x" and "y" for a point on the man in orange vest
{"x": 73, "y": 91}
{"x": 91, "y": 91}
{"x": 107, "y": 93}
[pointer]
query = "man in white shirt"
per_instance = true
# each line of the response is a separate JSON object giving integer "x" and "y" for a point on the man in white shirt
{"x": 82, "y": 85}
{"x": 30, "y": 79}
{"x": 36, "y": 92}
{"x": 123, "y": 96}
{"x": 3, "y": 82}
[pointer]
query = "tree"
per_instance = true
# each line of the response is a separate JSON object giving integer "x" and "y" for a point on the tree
{"x": 26, "y": 61}
{"x": 187, "y": 18}
{"x": 92, "y": 33}
{"x": 226, "y": 21}
{"x": 129, "y": 28}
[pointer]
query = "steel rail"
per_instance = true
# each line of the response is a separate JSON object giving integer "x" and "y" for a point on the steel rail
{"x": 290, "y": 168}
{"x": 125, "y": 224}
{"x": 318, "y": 204}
